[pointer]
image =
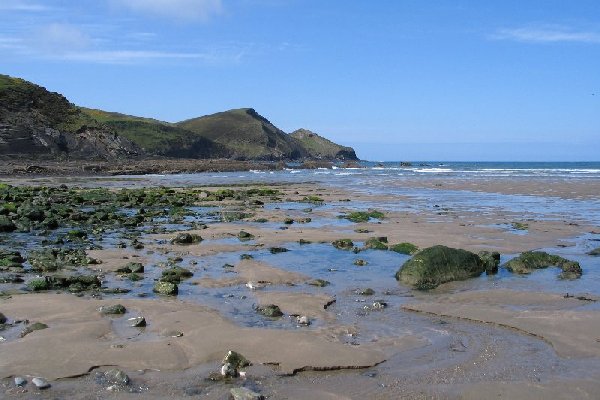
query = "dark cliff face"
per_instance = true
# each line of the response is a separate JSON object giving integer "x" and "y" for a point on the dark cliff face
{"x": 36, "y": 123}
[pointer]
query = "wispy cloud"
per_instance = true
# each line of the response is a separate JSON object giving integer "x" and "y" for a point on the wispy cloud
{"x": 547, "y": 34}
{"x": 145, "y": 56}
{"x": 174, "y": 9}
{"x": 60, "y": 38}
{"x": 16, "y": 5}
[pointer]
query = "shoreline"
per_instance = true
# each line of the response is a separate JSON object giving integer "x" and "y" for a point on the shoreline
{"x": 439, "y": 343}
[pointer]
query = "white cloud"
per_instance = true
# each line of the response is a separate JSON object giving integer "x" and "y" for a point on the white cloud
{"x": 547, "y": 34}
{"x": 59, "y": 38}
{"x": 15, "y": 5}
{"x": 145, "y": 56}
{"x": 177, "y": 9}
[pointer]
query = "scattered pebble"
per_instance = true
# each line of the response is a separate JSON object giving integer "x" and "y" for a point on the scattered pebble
{"x": 20, "y": 381}
{"x": 137, "y": 322}
{"x": 40, "y": 383}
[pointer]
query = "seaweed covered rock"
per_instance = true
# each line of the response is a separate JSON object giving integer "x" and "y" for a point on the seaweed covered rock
{"x": 376, "y": 243}
{"x": 6, "y": 224}
{"x": 11, "y": 259}
{"x": 491, "y": 261}
{"x": 176, "y": 274}
{"x": 343, "y": 244}
{"x": 595, "y": 252}
{"x": 269, "y": 310}
{"x": 54, "y": 259}
{"x": 363, "y": 216}
{"x": 435, "y": 265}
{"x": 186, "y": 238}
{"x": 529, "y": 261}
{"x": 404, "y": 248}
{"x": 165, "y": 288}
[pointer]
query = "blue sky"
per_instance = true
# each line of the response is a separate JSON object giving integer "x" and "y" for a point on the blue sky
{"x": 396, "y": 79}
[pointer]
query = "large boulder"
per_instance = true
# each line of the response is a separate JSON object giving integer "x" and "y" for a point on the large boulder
{"x": 435, "y": 265}
{"x": 529, "y": 261}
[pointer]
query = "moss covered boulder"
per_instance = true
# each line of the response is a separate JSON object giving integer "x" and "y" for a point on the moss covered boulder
{"x": 435, "y": 265}
{"x": 186, "y": 238}
{"x": 6, "y": 224}
{"x": 529, "y": 261}
{"x": 176, "y": 274}
{"x": 165, "y": 288}
{"x": 491, "y": 261}
{"x": 376, "y": 243}
{"x": 343, "y": 244}
{"x": 269, "y": 310}
{"x": 595, "y": 252}
{"x": 404, "y": 248}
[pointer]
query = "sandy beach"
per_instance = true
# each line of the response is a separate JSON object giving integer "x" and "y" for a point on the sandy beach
{"x": 503, "y": 337}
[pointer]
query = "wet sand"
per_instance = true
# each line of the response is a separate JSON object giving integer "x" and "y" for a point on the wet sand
{"x": 450, "y": 343}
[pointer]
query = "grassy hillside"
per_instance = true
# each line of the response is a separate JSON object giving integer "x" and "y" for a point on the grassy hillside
{"x": 36, "y": 122}
{"x": 158, "y": 137}
{"x": 319, "y": 147}
{"x": 20, "y": 97}
{"x": 247, "y": 135}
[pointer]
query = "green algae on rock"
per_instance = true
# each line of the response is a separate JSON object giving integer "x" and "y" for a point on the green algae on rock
{"x": 343, "y": 244}
{"x": 165, "y": 288}
{"x": 176, "y": 274}
{"x": 491, "y": 261}
{"x": 363, "y": 216}
{"x": 435, "y": 265}
{"x": 404, "y": 248}
{"x": 270, "y": 310}
{"x": 529, "y": 261}
{"x": 376, "y": 243}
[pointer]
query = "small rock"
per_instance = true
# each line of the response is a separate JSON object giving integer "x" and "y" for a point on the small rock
{"x": 366, "y": 292}
{"x": 243, "y": 393}
{"x": 303, "y": 320}
{"x": 379, "y": 305}
{"x": 186, "y": 238}
{"x": 36, "y": 326}
{"x": 172, "y": 334}
{"x": 318, "y": 282}
{"x": 228, "y": 371}
{"x": 166, "y": 288}
{"x": 270, "y": 310}
{"x": 254, "y": 285}
{"x": 20, "y": 381}
{"x": 40, "y": 383}
{"x": 137, "y": 322}
{"x": 115, "y": 309}
{"x": 116, "y": 376}
{"x": 360, "y": 262}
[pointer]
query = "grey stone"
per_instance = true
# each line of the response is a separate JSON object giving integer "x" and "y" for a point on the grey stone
{"x": 40, "y": 383}
{"x": 243, "y": 393}
{"x": 20, "y": 381}
{"x": 116, "y": 376}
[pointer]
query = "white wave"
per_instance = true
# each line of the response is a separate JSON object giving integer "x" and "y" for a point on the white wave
{"x": 433, "y": 170}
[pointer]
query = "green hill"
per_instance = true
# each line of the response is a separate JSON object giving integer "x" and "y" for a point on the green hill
{"x": 247, "y": 135}
{"x": 159, "y": 138}
{"x": 37, "y": 123}
{"x": 320, "y": 148}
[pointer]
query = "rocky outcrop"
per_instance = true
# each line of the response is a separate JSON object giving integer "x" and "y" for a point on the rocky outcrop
{"x": 37, "y": 123}
{"x": 435, "y": 265}
{"x": 320, "y": 148}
